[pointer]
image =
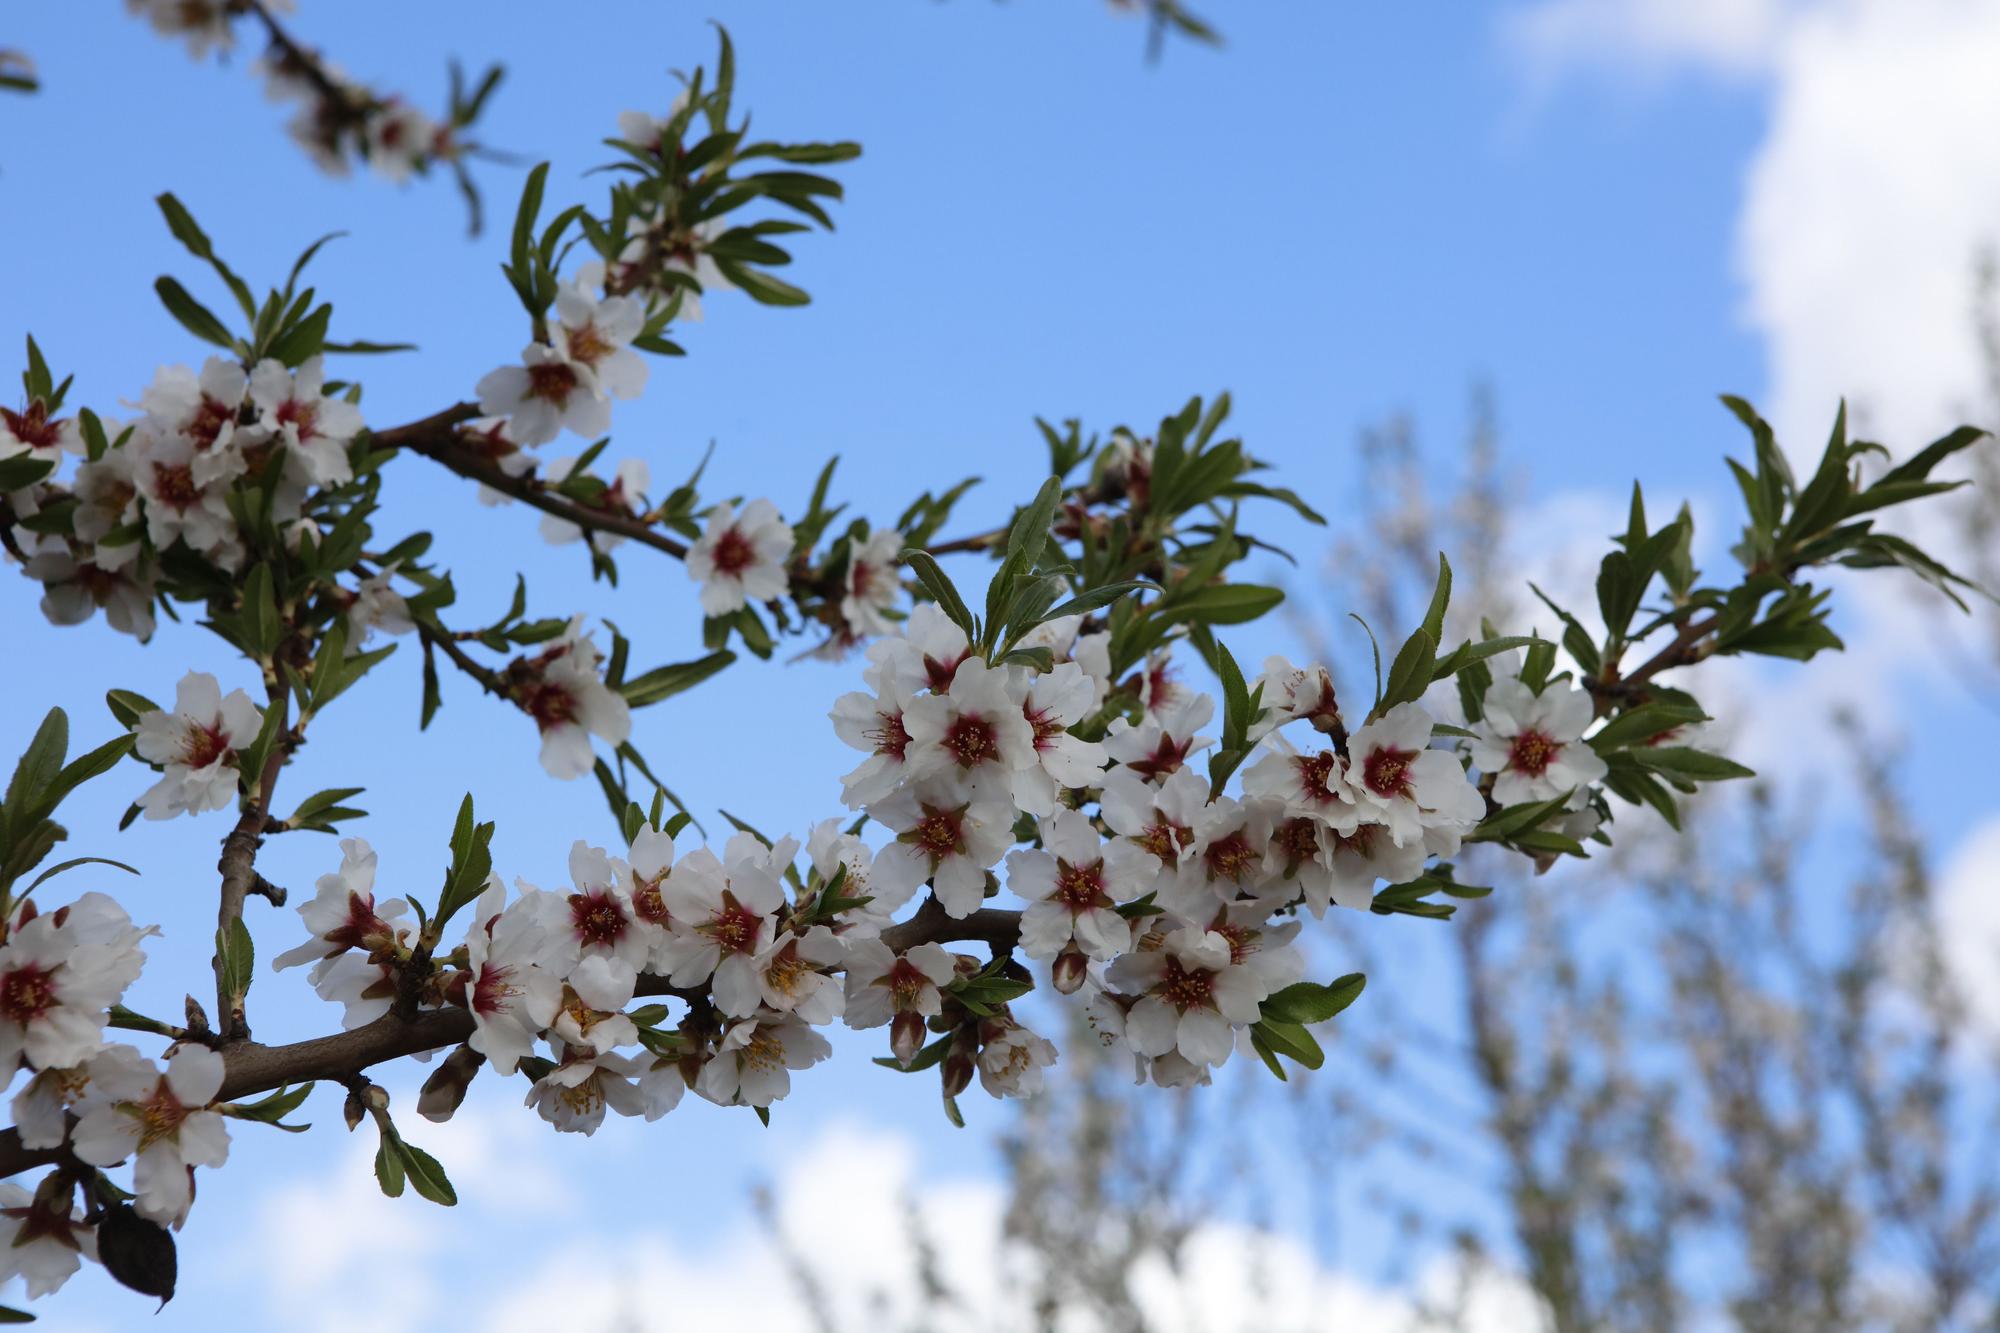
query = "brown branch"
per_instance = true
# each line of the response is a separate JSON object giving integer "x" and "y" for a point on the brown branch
{"x": 1686, "y": 649}
{"x": 299, "y": 59}
{"x": 489, "y": 680}
{"x": 238, "y": 863}
{"x": 436, "y": 438}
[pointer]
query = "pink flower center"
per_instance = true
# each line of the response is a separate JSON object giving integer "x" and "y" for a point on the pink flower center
{"x": 597, "y": 918}
{"x": 939, "y": 833}
{"x": 493, "y": 989}
{"x": 1080, "y": 887}
{"x": 33, "y": 427}
{"x": 1231, "y": 857}
{"x": 1298, "y": 839}
{"x": 588, "y": 345}
{"x": 647, "y": 900}
{"x": 1046, "y": 724}
{"x": 906, "y": 983}
{"x": 1532, "y": 752}
{"x": 160, "y": 1116}
{"x": 173, "y": 485}
{"x": 970, "y": 739}
{"x": 204, "y": 428}
{"x": 361, "y": 925}
{"x": 1387, "y": 771}
{"x": 734, "y": 927}
{"x": 1165, "y": 760}
{"x": 939, "y": 673}
{"x": 202, "y": 745}
{"x": 553, "y": 380}
{"x": 1186, "y": 988}
{"x": 550, "y": 705}
{"x": 1165, "y": 840}
{"x": 26, "y": 993}
{"x": 733, "y": 553}
{"x": 301, "y": 415}
{"x": 1316, "y": 775}
{"x": 890, "y": 738}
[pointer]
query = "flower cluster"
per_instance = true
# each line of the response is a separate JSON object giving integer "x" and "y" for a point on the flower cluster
{"x": 162, "y": 481}
{"x": 61, "y": 973}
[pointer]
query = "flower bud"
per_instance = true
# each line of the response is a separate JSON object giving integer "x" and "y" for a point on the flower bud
{"x": 446, "y": 1087}
{"x": 906, "y": 1036}
{"x": 960, "y": 1063}
{"x": 353, "y": 1109}
{"x": 1069, "y": 971}
{"x": 197, "y": 1018}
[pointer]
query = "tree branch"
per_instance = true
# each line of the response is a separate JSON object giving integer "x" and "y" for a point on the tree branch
{"x": 436, "y": 438}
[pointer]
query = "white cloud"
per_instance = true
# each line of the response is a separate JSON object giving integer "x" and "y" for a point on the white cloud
{"x": 334, "y": 1254}
{"x": 1865, "y": 205}
{"x": 1732, "y": 35}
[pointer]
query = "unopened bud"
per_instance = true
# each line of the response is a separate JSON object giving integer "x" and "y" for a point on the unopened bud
{"x": 906, "y": 1036}
{"x": 353, "y": 1109}
{"x": 965, "y": 965}
{"x": 197, "y": 1017}
{"x": 1069, "y": 971}
{"x": 959, "y": 1064}
{"x": 446, "y": 1087}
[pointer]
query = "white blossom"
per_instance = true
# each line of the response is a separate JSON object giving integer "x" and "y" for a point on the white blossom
{"x": 1398, "y": 780}
{"x": 569, "y": 701}
{"x": 544, "y": 395}
{"x": 871, "y": 586}
{"x": 948, "y": 831}
{"x": 753, "y": 1064}
{"x": 1057, "y": 700}
{"x": 1072, "y": 885}
{"x": 1011, "y": 1058}
{"x": 597, "y": 335}
{"x": 511, "y": 997}
{"x": 1532, "y": 743}
{"x": 197, "y": 743}
{"x": 342, "y": 914}
{"x": 59, "y": 973}
{"x": 44, "y": 1248}
{"x": 1189, "y": 996}
{"x": 723, "y": 919}
{"x": 163, "y": 1122}
{"x": 575, "y": 1094}
{"x": 740, "y": 558}
{"x": 314, "y": 428}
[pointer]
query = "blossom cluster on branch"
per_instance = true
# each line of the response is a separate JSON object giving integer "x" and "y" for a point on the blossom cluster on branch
{"x": 1039, "y": 778}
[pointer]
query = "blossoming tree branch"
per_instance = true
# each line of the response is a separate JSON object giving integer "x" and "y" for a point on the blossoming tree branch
{"x": 1043, "y": 797}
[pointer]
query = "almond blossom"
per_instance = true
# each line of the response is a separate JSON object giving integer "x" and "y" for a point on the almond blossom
{"x": 314, "y": 428}
{"x": 59, "y": 973}
{"x": 723, "y": 919}
{"x": 342, "y": 913}
{"x": 1190, "y": 994}
{"x": 511, "y": 997}
{"x": 179, "y": 505}
{"x": 1073, "y": 884}
{"x": 575, "y": 1094}
{"x": 1011, "y": 1058}
{"x": 197, "y": 743}
{"x": 1158, "y": 747}
{"x": 948, "y": 831}
{"x": 753, "y": 1064}
{"x": 43, "y": 1241}
{"x": 163, "y": 1122}
{"x": 1532, "y": 743}
{"x": 740, "y": 558}
{"x": 792, "y": 976}
{"x": 543, "y": 396}
{"x": 871, "y": 587}
{"x": 901, "y": 989}
{"x": 592, "y": 937}
{"x": 1057, "y": 700}
{"x": 628, "y": 484}
{"x": 597, "y": 335}
{"x": 205, "y": 411}
{"x": 876, "y": 726}
{"x": 32, "y": 433}
{"x": 569, "y": 701}
{"x": 1398, "y": 780}
{"x": 977, "y": 729}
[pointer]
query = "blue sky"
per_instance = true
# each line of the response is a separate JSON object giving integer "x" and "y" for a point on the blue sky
{"x": 1349, "y": 210}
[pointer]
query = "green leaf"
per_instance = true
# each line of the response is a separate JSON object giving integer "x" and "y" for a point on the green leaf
{"x": 1292, "y": 1040}
{"x": 36, "y": 773}
{"x": 73, "y": 863}
{"x": 1308, "y": 1002}
{"x": 389, "y": 1168}
{"x": 1433, "y": 623}
{"x": 925, "y": 567}
{"x": 667, "y": 681}
{"x": 195, "y": 317}
{"x": 236, "y": 959}
{"x": 1410, "y": 673}
{"x": 1678, "y": 761}
{"x": 426, "y": 1175}
{"x": 182, "y": 224}
{"x": 1636, "y": 726}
